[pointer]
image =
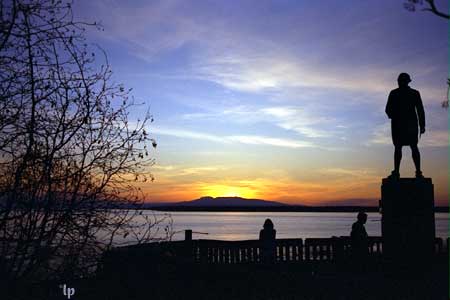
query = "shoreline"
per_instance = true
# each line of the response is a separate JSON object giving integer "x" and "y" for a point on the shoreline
{"x": 343, "y": 209}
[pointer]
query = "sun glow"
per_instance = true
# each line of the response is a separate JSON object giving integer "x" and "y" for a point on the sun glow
{"x": 219, "y": 190}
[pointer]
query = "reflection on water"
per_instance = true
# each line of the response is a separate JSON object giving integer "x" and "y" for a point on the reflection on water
{"x": 246, "y": 225}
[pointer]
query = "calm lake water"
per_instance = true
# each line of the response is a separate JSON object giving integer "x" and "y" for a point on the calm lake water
{"x": 246, "y": 225}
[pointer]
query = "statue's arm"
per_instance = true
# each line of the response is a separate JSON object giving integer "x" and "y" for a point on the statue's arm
{"x": 389, "y": 108}
{"x": 420, "y": 111}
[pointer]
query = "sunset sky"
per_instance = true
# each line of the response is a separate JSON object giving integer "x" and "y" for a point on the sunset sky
{"x": 277, "y": 100}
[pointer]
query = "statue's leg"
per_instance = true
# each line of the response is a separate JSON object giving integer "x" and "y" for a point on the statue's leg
{"x": 397, "y": 158}
{"x": 416, "y": 157}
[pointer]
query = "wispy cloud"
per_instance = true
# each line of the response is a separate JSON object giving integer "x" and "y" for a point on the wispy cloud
{"x": 230, "y": 139}
{"x": 350, "y": 177}
{"x": 163, "y": 168}
{"x": 300, "y": 121}
{"x": 245, "y": 73}
{"x": 181, "y": 133}
{"x": 303, "y": 120}
{"x": 381, "y": 135}
{"x": 180, "y": 170}
{"x": 264, "y": 140}
{"x": 148, "y": 29}
{"x": 231, "y": 56}
{"x": 436, "y": 139}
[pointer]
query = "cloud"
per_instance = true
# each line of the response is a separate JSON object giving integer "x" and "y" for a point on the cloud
{"x": 181, "y": 133}
{"x": 237, "y": 55}
{"x": 257, "y": 56}
{"x": 163, "y": 168}
{"x": 232, "y": 139}
{"x": 303, "y": 121}
{"x": 345, "y": 172}
{"x": 179, "y": 170}
{"x": 300, "y": 121}
{"x": 242, "y": 72}
{"x": 381, "y": 135}
{"x": 435, "y": 139}
{"x": 350, "y": 177}
{"x": 147, "y": 30}
{"x": 263, "y": 140}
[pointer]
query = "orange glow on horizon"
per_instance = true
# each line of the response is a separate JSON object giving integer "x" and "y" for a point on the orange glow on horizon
{"x": 220, "y": 190}
{"x": 332, "y": 186}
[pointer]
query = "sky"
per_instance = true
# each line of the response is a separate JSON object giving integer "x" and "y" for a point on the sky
{"x": 277, "y": 100}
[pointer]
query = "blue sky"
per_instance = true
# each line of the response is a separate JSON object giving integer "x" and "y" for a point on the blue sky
{"x": 281, "y": 100}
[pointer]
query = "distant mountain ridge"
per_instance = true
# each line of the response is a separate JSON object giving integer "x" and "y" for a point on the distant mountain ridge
{"x": 223, "y": 204}
{"x": 228, "y": 202}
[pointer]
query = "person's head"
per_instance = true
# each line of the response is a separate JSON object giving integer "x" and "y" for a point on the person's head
{"x": 268, "y": 225}
{"x": 403, "y": 79}
{"x": 362, "y": 217}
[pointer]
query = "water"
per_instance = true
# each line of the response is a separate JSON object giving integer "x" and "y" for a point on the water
{"x": 246, "y": 225}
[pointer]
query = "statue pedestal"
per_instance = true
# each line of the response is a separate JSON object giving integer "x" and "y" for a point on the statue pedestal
{"x": 407, "y": 223}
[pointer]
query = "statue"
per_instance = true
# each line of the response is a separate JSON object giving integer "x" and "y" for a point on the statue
{"x": 405, "y": 109}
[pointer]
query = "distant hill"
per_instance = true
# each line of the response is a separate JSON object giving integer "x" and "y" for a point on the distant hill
{"x": 243, "y": 204}
{"x": 228, "y": 202}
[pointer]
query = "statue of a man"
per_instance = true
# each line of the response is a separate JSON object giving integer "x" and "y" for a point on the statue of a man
{"x": 405, "y": 109}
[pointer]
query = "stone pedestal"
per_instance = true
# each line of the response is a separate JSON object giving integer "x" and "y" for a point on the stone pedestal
{"x": 407, "y": 223}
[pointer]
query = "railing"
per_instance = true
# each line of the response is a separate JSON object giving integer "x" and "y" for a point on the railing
{"x": 289, "y": 250}
{"x": 375, "y": 245}
{"x": 439, "y": 246}
{"x": 285, "y": 250}
{"x": 321, "y": 249}
{"x": 226, "y": 252}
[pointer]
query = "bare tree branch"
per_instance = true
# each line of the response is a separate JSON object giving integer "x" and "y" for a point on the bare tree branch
{"x": 69, "y": 157}
{"x": 434, "y": 10}
{"x": 411, "y": 6}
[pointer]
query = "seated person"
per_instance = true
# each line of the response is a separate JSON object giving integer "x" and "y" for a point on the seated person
{"x": 267, "y": 238}
{"x": 359, "y": 238}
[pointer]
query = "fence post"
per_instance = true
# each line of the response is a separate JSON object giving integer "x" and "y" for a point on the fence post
{"x": 337, "y": 248}
{"x": 188, "y": 235}
{"x": 188, "y": 246}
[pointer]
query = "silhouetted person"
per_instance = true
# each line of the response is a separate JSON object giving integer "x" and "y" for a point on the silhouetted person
{"x": 405, "y": 109}
{"x": 359, "y": 239}
{"x": 267, "y": 239}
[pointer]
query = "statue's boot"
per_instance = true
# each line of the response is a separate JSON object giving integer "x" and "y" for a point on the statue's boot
{"x": 394, "y": 175}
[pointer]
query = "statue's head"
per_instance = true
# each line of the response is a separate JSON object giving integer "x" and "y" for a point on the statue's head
{"x": 403, "y": 79}
{"x": 362, "y": 217}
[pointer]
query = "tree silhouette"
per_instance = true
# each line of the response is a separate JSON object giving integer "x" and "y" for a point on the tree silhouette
{"x": 430, "y": 5}
{"x": 69, "y": 156}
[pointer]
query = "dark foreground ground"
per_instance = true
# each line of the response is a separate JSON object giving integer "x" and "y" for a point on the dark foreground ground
{"x": 327, "y": 281}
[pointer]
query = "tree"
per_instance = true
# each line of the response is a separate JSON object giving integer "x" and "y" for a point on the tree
{"x": 430, "y": 5}
{"x": 69, "y": 156}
